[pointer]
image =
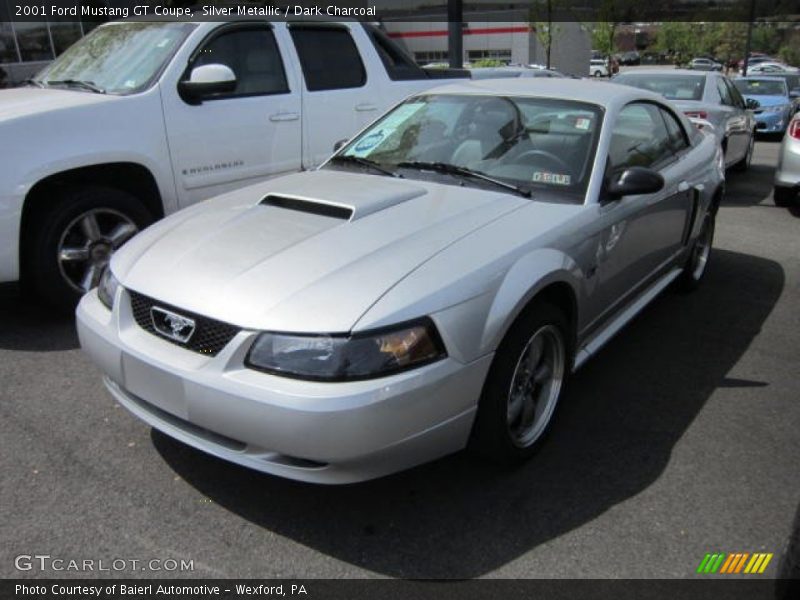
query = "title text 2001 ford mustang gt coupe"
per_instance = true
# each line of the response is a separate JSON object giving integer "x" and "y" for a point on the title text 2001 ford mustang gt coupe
{"x": 429, "y": 288}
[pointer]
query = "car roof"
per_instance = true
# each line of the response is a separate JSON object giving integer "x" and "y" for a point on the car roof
{"x": 579, "y": 90}
{"x": 669, "y": 72}
{"x": 760, "y": 78}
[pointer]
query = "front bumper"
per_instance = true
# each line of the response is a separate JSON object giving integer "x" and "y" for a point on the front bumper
{"x": 787, "y": 173}
{"x": 771, "y": 122}
{"x": 311, "y": 431}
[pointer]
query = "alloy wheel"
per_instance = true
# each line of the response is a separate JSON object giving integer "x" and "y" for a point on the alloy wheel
{"x": 87, "y": 244}
{"x": 535, "y": 386}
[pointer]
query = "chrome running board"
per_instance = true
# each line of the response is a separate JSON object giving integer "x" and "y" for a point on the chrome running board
{"x": 601, "y": 338}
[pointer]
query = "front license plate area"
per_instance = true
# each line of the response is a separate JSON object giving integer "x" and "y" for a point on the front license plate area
{"x": 154, "y": 385}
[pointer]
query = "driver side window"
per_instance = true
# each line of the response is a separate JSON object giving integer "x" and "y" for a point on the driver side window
{"x": 639, "y": 138}
{"x": 253, "y": 56}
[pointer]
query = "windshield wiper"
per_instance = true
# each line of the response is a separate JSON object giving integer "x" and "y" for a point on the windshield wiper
{"x": 449, "y": 169}
{"x": 35, "y": 82}
{"x": 86, "y": 85}
{"x": 364, "y": 162}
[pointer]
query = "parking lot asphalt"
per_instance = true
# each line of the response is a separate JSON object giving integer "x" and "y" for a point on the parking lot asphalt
{"x": 680, "y": 438}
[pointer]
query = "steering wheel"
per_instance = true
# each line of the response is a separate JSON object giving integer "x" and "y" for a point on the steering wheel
{"x": 561, "y": 166}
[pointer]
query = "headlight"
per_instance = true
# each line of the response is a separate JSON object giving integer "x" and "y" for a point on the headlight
{"x": 347, "y": 357}
{"x": 107, "y": 288}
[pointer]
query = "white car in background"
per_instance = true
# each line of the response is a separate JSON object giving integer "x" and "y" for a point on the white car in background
{"x": 764, "y": 68}
{"x": 141, "y": 118}
{"x": 598, "y": 67}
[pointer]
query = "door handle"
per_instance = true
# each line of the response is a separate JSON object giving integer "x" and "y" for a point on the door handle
{"x": 683, "y": 186}
{"x": 366, "y": 107}
{"x": 284, "y": 117}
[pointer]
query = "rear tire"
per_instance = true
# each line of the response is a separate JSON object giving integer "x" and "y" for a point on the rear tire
{"x": 697, "y": 264}
{"x": 73, "y": 239}
{"x": 783, "y": 196}
{"x": 525, "y": 382}
{"x": 744, "y": 164}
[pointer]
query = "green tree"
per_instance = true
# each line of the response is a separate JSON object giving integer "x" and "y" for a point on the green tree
{"x": 678, "y": 39}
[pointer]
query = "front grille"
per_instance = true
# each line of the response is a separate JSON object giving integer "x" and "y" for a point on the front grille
{"x": 210, "y": 336}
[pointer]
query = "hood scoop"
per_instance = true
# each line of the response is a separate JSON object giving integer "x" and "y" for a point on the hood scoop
{"x": 310, "y": 206}
{"x": 343, "y": 195}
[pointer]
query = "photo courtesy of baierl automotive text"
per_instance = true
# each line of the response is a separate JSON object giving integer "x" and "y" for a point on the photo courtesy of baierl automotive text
{"x": 280, "y": 282}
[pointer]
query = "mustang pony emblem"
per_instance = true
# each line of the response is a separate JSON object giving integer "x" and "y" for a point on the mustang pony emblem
{"x": 172, "y": 325}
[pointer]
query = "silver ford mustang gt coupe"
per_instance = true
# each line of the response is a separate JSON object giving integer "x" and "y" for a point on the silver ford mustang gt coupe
{"x": 430, "y": 288}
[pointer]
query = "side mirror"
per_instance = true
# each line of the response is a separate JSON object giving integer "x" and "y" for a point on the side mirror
{"x": 634, "y": 181}
{"x": 752, "y": 103}
{"x": 207, "y": 80}
{"x": 795, "y": 93}
{"x": 340, "y": 144}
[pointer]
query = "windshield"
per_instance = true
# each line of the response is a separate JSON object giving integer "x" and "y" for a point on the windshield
{"x": 674, "y": 87}
{"x": 524, "y": 142}
{"x": 761, "y": 87}
{"x": 118, "y": 57}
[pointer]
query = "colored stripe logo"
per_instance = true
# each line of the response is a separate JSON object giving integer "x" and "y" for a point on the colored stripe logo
{"x": 735, "y": 562}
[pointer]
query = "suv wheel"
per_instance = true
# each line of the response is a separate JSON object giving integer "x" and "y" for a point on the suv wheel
{"x": 73, "y": 241}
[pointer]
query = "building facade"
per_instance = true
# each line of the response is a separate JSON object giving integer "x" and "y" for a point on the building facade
{"x": 511, "y": 42}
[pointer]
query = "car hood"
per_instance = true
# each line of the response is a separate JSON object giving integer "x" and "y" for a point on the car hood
{"x": 309, "y": 252}
{"x": 25, "y": 101}
{"x": 764, "y": 101}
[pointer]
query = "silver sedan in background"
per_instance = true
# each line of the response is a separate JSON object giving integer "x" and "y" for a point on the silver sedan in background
{"x": 710, "y": 100}
{"x": 787, "y": 175}
{"x": 430, "y": 288}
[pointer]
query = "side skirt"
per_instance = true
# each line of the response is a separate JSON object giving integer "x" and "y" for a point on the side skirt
{"x": 602, "y": 336}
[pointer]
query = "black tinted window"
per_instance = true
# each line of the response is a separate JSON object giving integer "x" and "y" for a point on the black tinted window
{"x": 252, "y": 55}
{"x": 398, "y": 64}
{"x": 329, "y": 58}
{"x": 639, "y": 138}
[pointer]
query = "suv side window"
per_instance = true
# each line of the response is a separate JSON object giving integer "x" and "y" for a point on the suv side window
{"x": 678, "y": 142}
{"x": 252, "y": 54}
{"x": 398, "y": 64}
{"x": 329, "y": 57}
{"x": 639, "y": 138}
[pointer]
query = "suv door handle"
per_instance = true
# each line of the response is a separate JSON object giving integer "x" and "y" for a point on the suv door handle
{"x": 366, "y": 107}
{"x": 284, "y": 117}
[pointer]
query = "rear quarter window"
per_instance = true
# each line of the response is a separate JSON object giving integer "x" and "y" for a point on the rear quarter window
{"x": 329, "y": 57}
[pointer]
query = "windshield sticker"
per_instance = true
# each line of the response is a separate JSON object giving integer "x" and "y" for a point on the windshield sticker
{"x": 368, "y": 143}
{"x": 547, "y": 177}
{"x": 582, "y": 123}
{"x": 386, "y": 128}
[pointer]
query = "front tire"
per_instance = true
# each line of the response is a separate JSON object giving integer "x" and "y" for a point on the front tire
{"x": 697, "y": 264}
{"x": 525, "y": 382}
{"x": 72, "y": 241}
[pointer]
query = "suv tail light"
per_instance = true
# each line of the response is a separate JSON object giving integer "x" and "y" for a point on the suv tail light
{"x": 696, "y": 114}
{"x": 794, "y": 129}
